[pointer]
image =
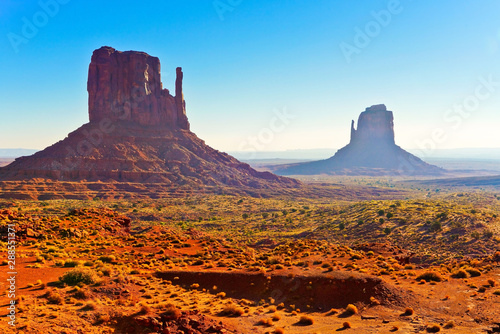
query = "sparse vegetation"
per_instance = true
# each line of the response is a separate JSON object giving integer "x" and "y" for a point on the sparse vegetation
{"x": 321, "y": 241}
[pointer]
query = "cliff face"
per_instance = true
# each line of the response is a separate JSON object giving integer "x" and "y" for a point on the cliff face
{"x": 371, "y": 151}
{"x": 127, "y": 86}
{"x": 375, "y": 124}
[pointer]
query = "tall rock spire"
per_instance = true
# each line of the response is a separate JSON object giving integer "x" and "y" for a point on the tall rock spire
{"x": 180, "y": 104}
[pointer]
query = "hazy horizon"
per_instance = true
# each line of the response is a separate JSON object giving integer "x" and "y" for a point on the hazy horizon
{"x": 490, "y": 154}
{"x": 266, "y": 76}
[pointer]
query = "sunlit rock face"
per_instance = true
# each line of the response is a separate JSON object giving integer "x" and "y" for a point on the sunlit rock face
{"x": 127, "y": 86}
{"x": 138, "y": 133}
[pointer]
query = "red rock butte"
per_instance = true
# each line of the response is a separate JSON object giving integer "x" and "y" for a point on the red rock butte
{"x": 127, "y": 86}
{"x": 137, "y": 133}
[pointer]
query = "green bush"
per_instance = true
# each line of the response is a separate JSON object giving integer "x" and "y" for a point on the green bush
{"x": 79, "y": 275}
{"x": 436, "y": 226}
{"x": 71, "y": 263}
{"x": 430, "y": 276}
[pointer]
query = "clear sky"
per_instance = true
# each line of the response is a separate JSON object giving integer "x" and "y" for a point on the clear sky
{"x": 435, "y": 64}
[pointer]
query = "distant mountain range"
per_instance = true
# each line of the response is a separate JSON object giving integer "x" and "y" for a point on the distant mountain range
{"x": 15, "y": 152}
{"x": 324, "y": 153}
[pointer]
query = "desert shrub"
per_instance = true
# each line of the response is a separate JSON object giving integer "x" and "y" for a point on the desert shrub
{"x": 232, "y": 310}
{"x": 387, "y": 230}
{"x": 279, "y": 331}
{"x": 389, "y": 215}
{"x": 442, "y": 216}
{"x": 306, "y": 320}
{"x": 102, "y": 318}
{"x": 460, "y": 274}
{"x": 435, "y": 328}
{"x": 346, "y": 325}
{"x": 351, "y": 309}
{"x": 266, "y": 322}
{"x": 89, "y": 306}
{"x": 436, "y": 226}
{"x": 408, "y": 311}
{"x": 71, "y": 263}
{"x": 54, "y": 297}
{"x": 107, "y": 258}
{"x": 473, "y": 272}
{"x": 145, "y": 309}
{"x": 341, "y": 226}
{"x": 79, "y": 275}
{"x": 81, "y": 294}
{"x": 356, "y": 257}
{"x": 430, "y": 276}
{"x": 272, "y": 308}
{"x": 487, "y": 234}
{"x": 276, "y": 317}
{"x": 381, "y": 212}
{"x": 450, "y": 324}
{"x": 171, "y": 311}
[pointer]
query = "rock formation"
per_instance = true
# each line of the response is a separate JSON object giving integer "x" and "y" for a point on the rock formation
{"x": 375, "y": 125}
{"x": 137, "y": 133}
{"x": 371, "y": 151}
{"x": 127, "y": 86}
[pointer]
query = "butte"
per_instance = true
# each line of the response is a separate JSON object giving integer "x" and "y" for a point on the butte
{"x": 371, "y": 151}
{"x": 137, "y": 134}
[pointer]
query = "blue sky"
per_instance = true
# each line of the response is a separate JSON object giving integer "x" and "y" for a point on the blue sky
{"x": 435, "y": 64}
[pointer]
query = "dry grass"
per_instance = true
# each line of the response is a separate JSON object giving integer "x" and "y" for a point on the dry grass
{"x": 232, "y": 310}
